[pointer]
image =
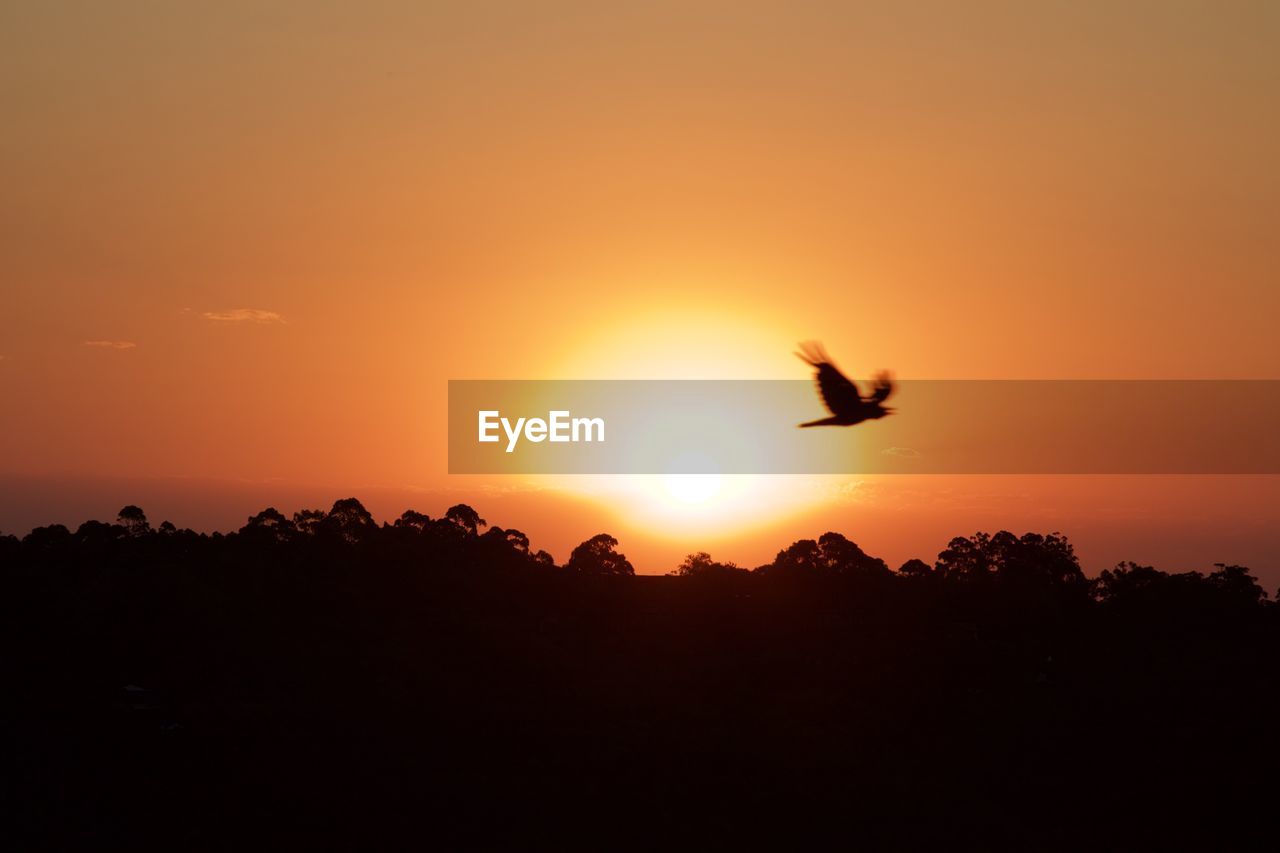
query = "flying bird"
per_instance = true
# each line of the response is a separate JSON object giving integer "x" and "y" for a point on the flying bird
{"x": 841, "y": 396}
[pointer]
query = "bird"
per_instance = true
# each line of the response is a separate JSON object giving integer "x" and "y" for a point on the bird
{"x": 840, "y": 395}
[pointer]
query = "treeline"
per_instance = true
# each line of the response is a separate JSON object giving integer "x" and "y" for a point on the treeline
{"x": 321, "y": 681}
{"x": 461, "y": 540}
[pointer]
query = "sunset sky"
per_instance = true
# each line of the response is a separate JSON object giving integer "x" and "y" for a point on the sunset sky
{"x": 245, "y": 245}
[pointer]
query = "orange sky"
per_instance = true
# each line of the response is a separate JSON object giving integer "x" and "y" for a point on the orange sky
{"x": 307, "y": 217}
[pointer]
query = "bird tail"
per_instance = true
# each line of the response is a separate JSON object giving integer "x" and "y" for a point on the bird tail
{"x": 824, "y": 422}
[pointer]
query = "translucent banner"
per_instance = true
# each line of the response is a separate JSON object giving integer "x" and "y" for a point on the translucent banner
{"x": 924, "y": 427}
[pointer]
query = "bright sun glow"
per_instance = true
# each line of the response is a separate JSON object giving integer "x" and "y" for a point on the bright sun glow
{"x": 706, "y": 343}
{"x": 680, "y": 505}
{"x": 692, "y": 489}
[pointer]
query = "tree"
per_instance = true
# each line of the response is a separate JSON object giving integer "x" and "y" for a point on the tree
{"x": 465, "y": 518}
{"x": 831, "y": 554}
{"x": 1032, "y": 560}
{"x": 1127, "y": 581}
{"x": 133, "y": 520}
{"x": 512, "y": 538}
{"x": 99, "y": 532}
{"x": 1039, "y": 558}
{"x": 966, "y": 558}
{"x": 308, "y": 521}
{"x": 413, "y": 520}
{"x": 802, "y": 557}
{"x": 915, "y": 568}
{"x": 504, "y": 549}
{"x": 700, "y": 565}
{"x": 349, "y": 520}
{"x": 269, "y": 525}
{"x": 1131, "y": 586}
{"x": 598, "y": 556}
{"x": 1235, "y": 583}
{"x": 843, "y": 557}
{"x": 49, "y": 538}
{"x": 10, "y": 547}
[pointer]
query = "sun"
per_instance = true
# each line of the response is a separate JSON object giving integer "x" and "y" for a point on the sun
{"x": 693, "y": 501}
{"x": 677, "y": 506}
{"x": 687, "y": 496}
{"x": 692, "y": 489}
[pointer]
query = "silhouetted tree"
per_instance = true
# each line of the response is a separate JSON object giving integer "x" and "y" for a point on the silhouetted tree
{"x": 1033, "y": 559}
{"x": 269, "y": 525}
{"x": 502, "y": 549}
{"x": 842, "y": 557}
{"x": 349, "y": 521}
{"x": 465, "y": 518}
{"x": 10, "y": 546}
{"x": 800, "y": 558}
{"x": 598, "y": 556}
{"x": 987, "y": 693}
{"x": 510, "y": 538}
{"x": 832, "y": 554}
{"x": 133, "y": 520}
{"x": 45, "y": 539}
{"x": 1128, "y": 581}
{"x": 915, "y": 568}
{"x": 98, "y": 533}
{"x": 309, "y": 521}
{"x": 700, "y": 565}
{"x": 1236, "y": 583}
{"x": 413, "y": 520}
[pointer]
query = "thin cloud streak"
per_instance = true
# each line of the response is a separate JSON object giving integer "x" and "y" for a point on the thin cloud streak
{"x": 243, "y": 315}
{"x": 110, "y": 344}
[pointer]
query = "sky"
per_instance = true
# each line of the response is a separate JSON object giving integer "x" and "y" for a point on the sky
{"x": 244, "y": 246}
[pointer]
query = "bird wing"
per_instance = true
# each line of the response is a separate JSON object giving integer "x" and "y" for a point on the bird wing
{"x": 882, "y": 387}
{"x": 839, "y": 394}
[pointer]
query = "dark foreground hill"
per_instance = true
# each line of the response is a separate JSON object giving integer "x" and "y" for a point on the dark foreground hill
{"x": 323, "y": 682}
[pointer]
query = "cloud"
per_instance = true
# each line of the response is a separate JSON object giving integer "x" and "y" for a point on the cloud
{"x": 902, "y": 452}
{"x": 851, "y": 491}
{"x": 111, "y": 344}
{"x": 243, "y": 315}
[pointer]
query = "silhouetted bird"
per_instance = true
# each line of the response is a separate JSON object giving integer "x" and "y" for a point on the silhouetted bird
{"x": 841, "y": 396}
